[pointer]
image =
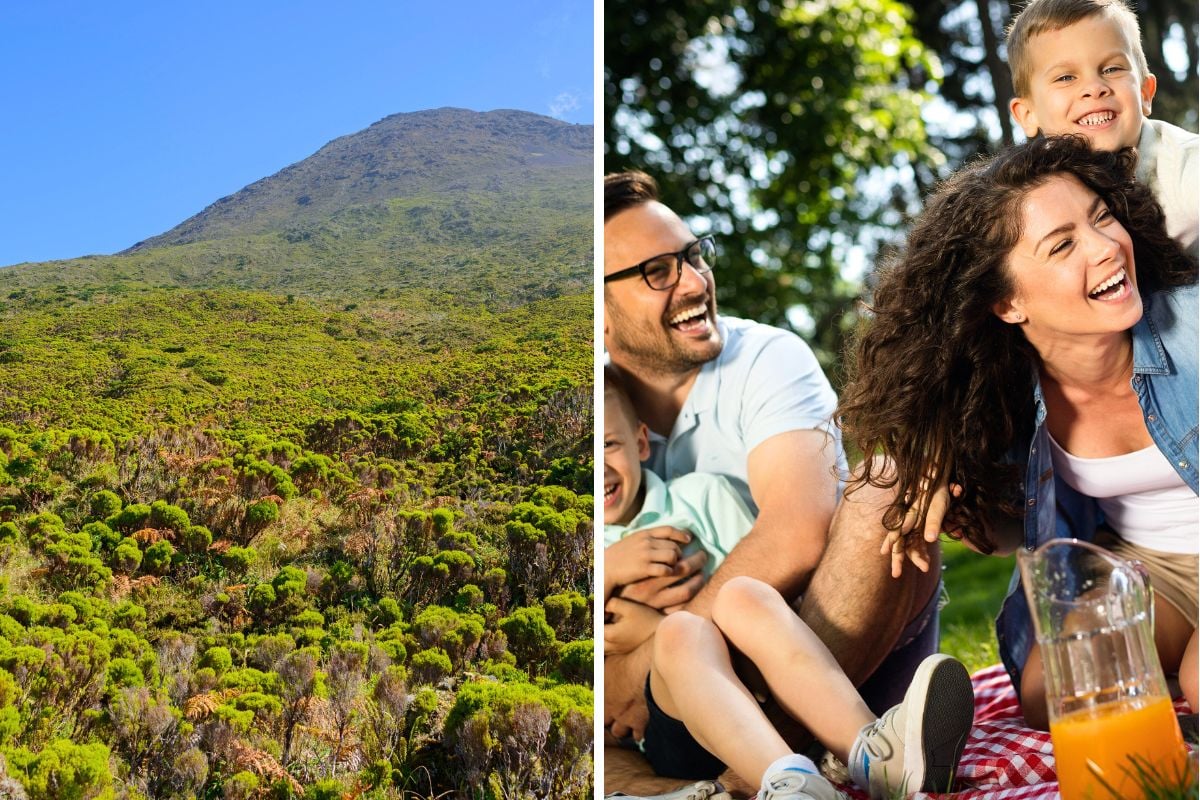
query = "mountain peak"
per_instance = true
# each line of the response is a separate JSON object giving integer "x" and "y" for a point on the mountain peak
{"x": 438, "y": 151}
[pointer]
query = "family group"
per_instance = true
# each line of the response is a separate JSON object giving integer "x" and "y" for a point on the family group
{"x": 1027, "y": 371}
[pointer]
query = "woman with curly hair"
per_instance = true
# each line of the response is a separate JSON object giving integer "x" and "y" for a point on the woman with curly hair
{"x": 1029, "y": 372}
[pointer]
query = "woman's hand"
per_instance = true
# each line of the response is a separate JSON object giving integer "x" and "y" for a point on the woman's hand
{"x": 627, "y": 624}
{"x": 911, "y": 544}
{"x": 650, "y": 553}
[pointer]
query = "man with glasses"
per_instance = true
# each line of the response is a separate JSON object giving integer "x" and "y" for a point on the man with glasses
{"x": 749, "y": 402}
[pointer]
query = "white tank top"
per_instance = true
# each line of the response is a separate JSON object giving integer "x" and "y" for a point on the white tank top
{"x": 1142, "y": 497}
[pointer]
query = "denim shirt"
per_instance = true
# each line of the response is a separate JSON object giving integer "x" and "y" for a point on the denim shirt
{"x": 1165, "y": 380}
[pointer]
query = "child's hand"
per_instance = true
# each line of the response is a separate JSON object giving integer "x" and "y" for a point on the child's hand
{"x": 908, "y": 542}
{"x": 627, "y": 624}
{"x": 650, "y": 553}
{"x": 674, "y": 591}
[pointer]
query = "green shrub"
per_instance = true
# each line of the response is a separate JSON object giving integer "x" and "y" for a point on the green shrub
{"x": 238, "y": 560}
{"x": 309, "y": 618}
{"x": 262, "y": 598}
{"x": 387, "y": 612}
{"x": 63, "y": 770}
{"x": 469, "y": 596}
{"x": 530, "y": 638}
{"x": 430, "y": 666}
{"x": 165, "y": 515}
{"x": 391, "y": 641}
{"x": 129, "y": 615}
{"x": 127, "y": 556}
{"x": 568, "y": 613}
{"x": 325, "y": 790}
{"x": 576, "y": 660}
{"x": 196, "y": 539}
{"x": 240, "y": 786}
{"x": 261, "y": 514}
{"x": 157, "y": 559}
{"x": 443, "y": 520}
{"x": 102, "y": 536}
{"x": 131, "y": 518}
{"x": 218, "y": 659}
{"x": 123, "y": 672}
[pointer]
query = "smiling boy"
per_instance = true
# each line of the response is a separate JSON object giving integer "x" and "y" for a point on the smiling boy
{"x": 1078, "y": 68}
{"x": 645, "y": 517}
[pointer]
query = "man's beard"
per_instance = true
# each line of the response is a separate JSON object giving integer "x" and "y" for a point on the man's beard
{"x": 654, "y": 349}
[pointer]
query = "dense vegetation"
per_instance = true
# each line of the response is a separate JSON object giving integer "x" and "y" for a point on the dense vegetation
{"x": 297, "y": 542}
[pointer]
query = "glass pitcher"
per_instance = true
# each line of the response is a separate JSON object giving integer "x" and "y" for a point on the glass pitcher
{"x": 1110, "y": 711}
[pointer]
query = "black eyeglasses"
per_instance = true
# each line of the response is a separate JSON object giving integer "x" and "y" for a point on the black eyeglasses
{"x": 664, "y": 271}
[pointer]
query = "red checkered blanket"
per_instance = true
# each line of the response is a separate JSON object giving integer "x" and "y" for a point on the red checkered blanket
{"x": 1003, "y": 759}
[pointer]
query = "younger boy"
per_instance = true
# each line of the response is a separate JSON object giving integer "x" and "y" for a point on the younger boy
{"x": 637, "y": 499}
{"x": 1078, "y": 67}
{"x": 702, "y": 716}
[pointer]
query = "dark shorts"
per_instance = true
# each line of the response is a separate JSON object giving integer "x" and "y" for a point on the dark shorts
{"x": 919, "y": 640}
{"x": 671, "y": 749}
{"x": 674, "y": 753}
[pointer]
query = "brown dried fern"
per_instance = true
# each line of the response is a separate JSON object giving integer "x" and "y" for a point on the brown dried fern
{"x": 201, "y": 706}
{"x": 261, "y": 763}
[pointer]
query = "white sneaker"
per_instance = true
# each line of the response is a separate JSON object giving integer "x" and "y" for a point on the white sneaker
{"x": 794, "y": 784}
{"x": 916, "y": 745}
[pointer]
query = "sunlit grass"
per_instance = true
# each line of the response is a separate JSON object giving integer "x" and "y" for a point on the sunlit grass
{"x": 976, "y": 585}
{"x": 1179, "y": 784}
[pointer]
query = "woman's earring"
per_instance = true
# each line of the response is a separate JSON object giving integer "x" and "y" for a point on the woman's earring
{"x": 1019, "y": 318}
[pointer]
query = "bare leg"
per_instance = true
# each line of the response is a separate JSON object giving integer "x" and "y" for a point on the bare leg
{"x": 1187, "y": 673}
{"x": 801, "y": 672}
{"x": 692, "y": 679}
{"x": 1175, "y": 638}
{"x": 1033, "y": 692}
{"x": 862, "y": 626}
{"x": 1171, "y": 634}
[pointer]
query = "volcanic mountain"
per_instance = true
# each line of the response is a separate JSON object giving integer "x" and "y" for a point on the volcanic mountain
{"x": 490, "y": 206}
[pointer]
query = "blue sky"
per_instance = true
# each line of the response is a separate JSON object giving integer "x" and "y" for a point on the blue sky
{"x": 122, "y": 119}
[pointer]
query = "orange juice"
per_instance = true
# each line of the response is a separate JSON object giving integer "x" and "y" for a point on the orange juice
{"x": 1107, "y": 736}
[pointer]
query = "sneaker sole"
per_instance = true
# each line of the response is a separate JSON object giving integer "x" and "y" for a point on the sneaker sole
{"x": 947, "y": 702}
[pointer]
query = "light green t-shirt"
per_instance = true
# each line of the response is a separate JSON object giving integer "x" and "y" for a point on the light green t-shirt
{"x": 703, "y": 503}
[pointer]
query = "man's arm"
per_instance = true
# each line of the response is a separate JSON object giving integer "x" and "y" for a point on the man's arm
{"x": 792, "y": 480}
{"x": 625, "y": 711}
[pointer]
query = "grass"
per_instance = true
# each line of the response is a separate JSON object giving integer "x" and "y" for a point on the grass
{"x": 1179, "y": 784}
{"x": 976, "y": 585}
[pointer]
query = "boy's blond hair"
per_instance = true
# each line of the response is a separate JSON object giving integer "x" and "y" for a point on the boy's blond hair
{"x": 1041, "y": 16}
{"x": 615, "y": 391}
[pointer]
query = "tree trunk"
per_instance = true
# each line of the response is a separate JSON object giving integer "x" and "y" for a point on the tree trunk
{"x": 1001, "y": 77}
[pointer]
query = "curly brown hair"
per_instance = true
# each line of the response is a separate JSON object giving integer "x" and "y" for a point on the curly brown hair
{"x": 937, "y": 382}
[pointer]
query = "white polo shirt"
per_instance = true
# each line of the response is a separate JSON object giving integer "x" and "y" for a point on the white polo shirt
{"x": 766, "y": 381}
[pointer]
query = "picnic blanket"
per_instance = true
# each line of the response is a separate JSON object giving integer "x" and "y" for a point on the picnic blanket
{"x": 1003, "y": 759}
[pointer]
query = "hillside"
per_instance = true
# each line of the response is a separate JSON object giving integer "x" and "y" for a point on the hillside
{"x": 495, "y": 207}
{"x": 295, "y": 499}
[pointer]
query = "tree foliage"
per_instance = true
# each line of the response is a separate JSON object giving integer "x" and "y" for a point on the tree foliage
{"x": 762, "y": 120}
